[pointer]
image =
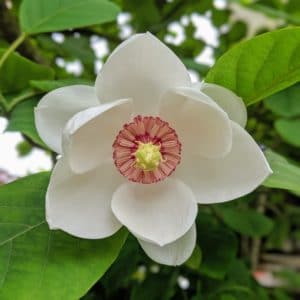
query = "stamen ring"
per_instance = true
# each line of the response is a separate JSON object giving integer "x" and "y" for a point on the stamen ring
{"x": 146, "y": 150}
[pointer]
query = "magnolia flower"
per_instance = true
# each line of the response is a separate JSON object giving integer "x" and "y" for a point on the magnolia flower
{"x": 142, "y": 148}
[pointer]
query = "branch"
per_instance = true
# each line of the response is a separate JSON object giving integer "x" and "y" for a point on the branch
{"x": 256, "y": 244}
{"x": 10, "y": 31}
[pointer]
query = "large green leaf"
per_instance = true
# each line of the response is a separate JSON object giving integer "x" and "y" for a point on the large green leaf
{"x": 286, "y": 175}
{"x": 17, "y": 71}
{"x": 38, "y": 16}
{"x": 36, "y": 263}
{"x": 247, "y": 222}
{"x": 218, "y": 245}
{"x": 155, "y": 287}
{"x": 22, "y": 120}
{"x": 49, "y": 85}
{"x": 260, "y": 67}
{"x": 289, "y": 130}
{"x": 286, "y": 103}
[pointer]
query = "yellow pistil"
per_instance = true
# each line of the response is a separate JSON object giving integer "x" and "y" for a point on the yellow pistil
{"x": 148, "y": 156}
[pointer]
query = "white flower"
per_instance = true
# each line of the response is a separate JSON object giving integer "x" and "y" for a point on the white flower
{"x": 142, "y": 148}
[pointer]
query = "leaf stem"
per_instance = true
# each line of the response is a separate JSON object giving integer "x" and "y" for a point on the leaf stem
{"x": 12, "y": 48}
{"x": 21, "y": 97}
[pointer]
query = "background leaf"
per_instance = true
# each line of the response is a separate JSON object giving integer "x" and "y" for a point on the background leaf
{"x": 49, "y": 85}
{"x": 286, "y": 175}
{"x": 17, "y": 71}
{"x": 194, "y": 261}
{"x": 286, "y": 103}
{"x": 246, "y": 222}
{"x": 38, "y": 16}
{"x": 22, "y": 120}
{"x": 289, "y": 131}
{"x": 249, "y": 70}
{"x": 37, "y": 263}
{"x": 218, "y": 245}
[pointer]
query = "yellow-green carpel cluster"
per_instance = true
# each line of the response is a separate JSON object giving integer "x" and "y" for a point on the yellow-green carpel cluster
{"x": 148, "y": 156}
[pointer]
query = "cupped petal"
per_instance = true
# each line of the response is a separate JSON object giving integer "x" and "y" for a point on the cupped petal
{"x": 202, "y": 126}
{"x": 141, "y": 68}
{"x": 224, "y": 179}
{"x": 175, "y": 253}
{"x": 81, "y": 204}
{"x": 88, "y": 136}
{"x": 57, "y": 107}
{"x": 159, "y": 213}
{"x": 228, "y": 101}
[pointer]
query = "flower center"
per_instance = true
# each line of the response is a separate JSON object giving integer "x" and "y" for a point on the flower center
{"x": 148, "y": 156}
{"x": 147, "y": 150}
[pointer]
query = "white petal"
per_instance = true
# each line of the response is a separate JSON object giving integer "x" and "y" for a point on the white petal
{"x": 141, "y": 68}
{"x": 57, "y": 107}
{"x": 81, "y": 204}
{"x": 202, "y": 126}
{"x": 227, "y": 178}
{"x": 89, "y": 135}
{"x": 228, "y": 101}
{"x": 158, "y": 213}
{"x": 175, "y": 253}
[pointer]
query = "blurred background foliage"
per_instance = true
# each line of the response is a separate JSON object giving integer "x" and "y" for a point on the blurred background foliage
{"x": 247, "y": 249}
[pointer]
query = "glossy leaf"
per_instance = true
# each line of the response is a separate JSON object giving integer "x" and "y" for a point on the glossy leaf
{"x": 218, "y": 245}
{"x": 38, "y": 16}
{"x": 248, "y": 69}
{"x": 155, "y": 288}
{"x": 49, "y": 85}
{"x": 286, "y": 103}
{"x": 17, "y": 71}
{"x": 247, "y": 222}
{"x": 286, "y": 175}
{"x": 22, "y": 120}
{"x": 36, "y": 263}
{"x": 289, "y": 130}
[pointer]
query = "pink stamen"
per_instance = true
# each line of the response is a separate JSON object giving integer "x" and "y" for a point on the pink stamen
{"x": 146, "y": 130}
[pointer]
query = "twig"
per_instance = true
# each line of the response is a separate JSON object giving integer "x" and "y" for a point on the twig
{"x": 10, "y": 31}
{"x": 256, "y": 244}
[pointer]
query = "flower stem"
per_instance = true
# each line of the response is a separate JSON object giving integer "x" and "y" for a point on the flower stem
{"x": 12, "y": 48}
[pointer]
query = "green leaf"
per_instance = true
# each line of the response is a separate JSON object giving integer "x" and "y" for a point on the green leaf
{"x": 291, "y": 278}
{"x": 286, "y": 103}
{"x": 289, "y": 131}
{"x": 195, "y": 260}
{"x": 241, "y": 292}
{"x": 237, "y": 31}
{"x": 38, "y": 16}
{"x": 239, "y": 273}
{"x": 279, "y": 294}
{"x": 22, "y": 120}
{"x": 227, "y": 297}
{"x": 191, "y": 64}
{"x": 49, "y": 85}
{"x": 218, "y": 245}
{"x": 123, "y": 266}
{"x": 286, "y": 175}
{"x": 17, "y": 71}
{"x": 249, "y": 68}
{"x": 36, "y": 263}
{"x": 24, "y": 148}
{"x": 247, "y": 222}
{"x": 280, "y": 233}
{"x": 144, "y": 16}
{"x": 13, "y": 99}
{"x": 156, "y": 287}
